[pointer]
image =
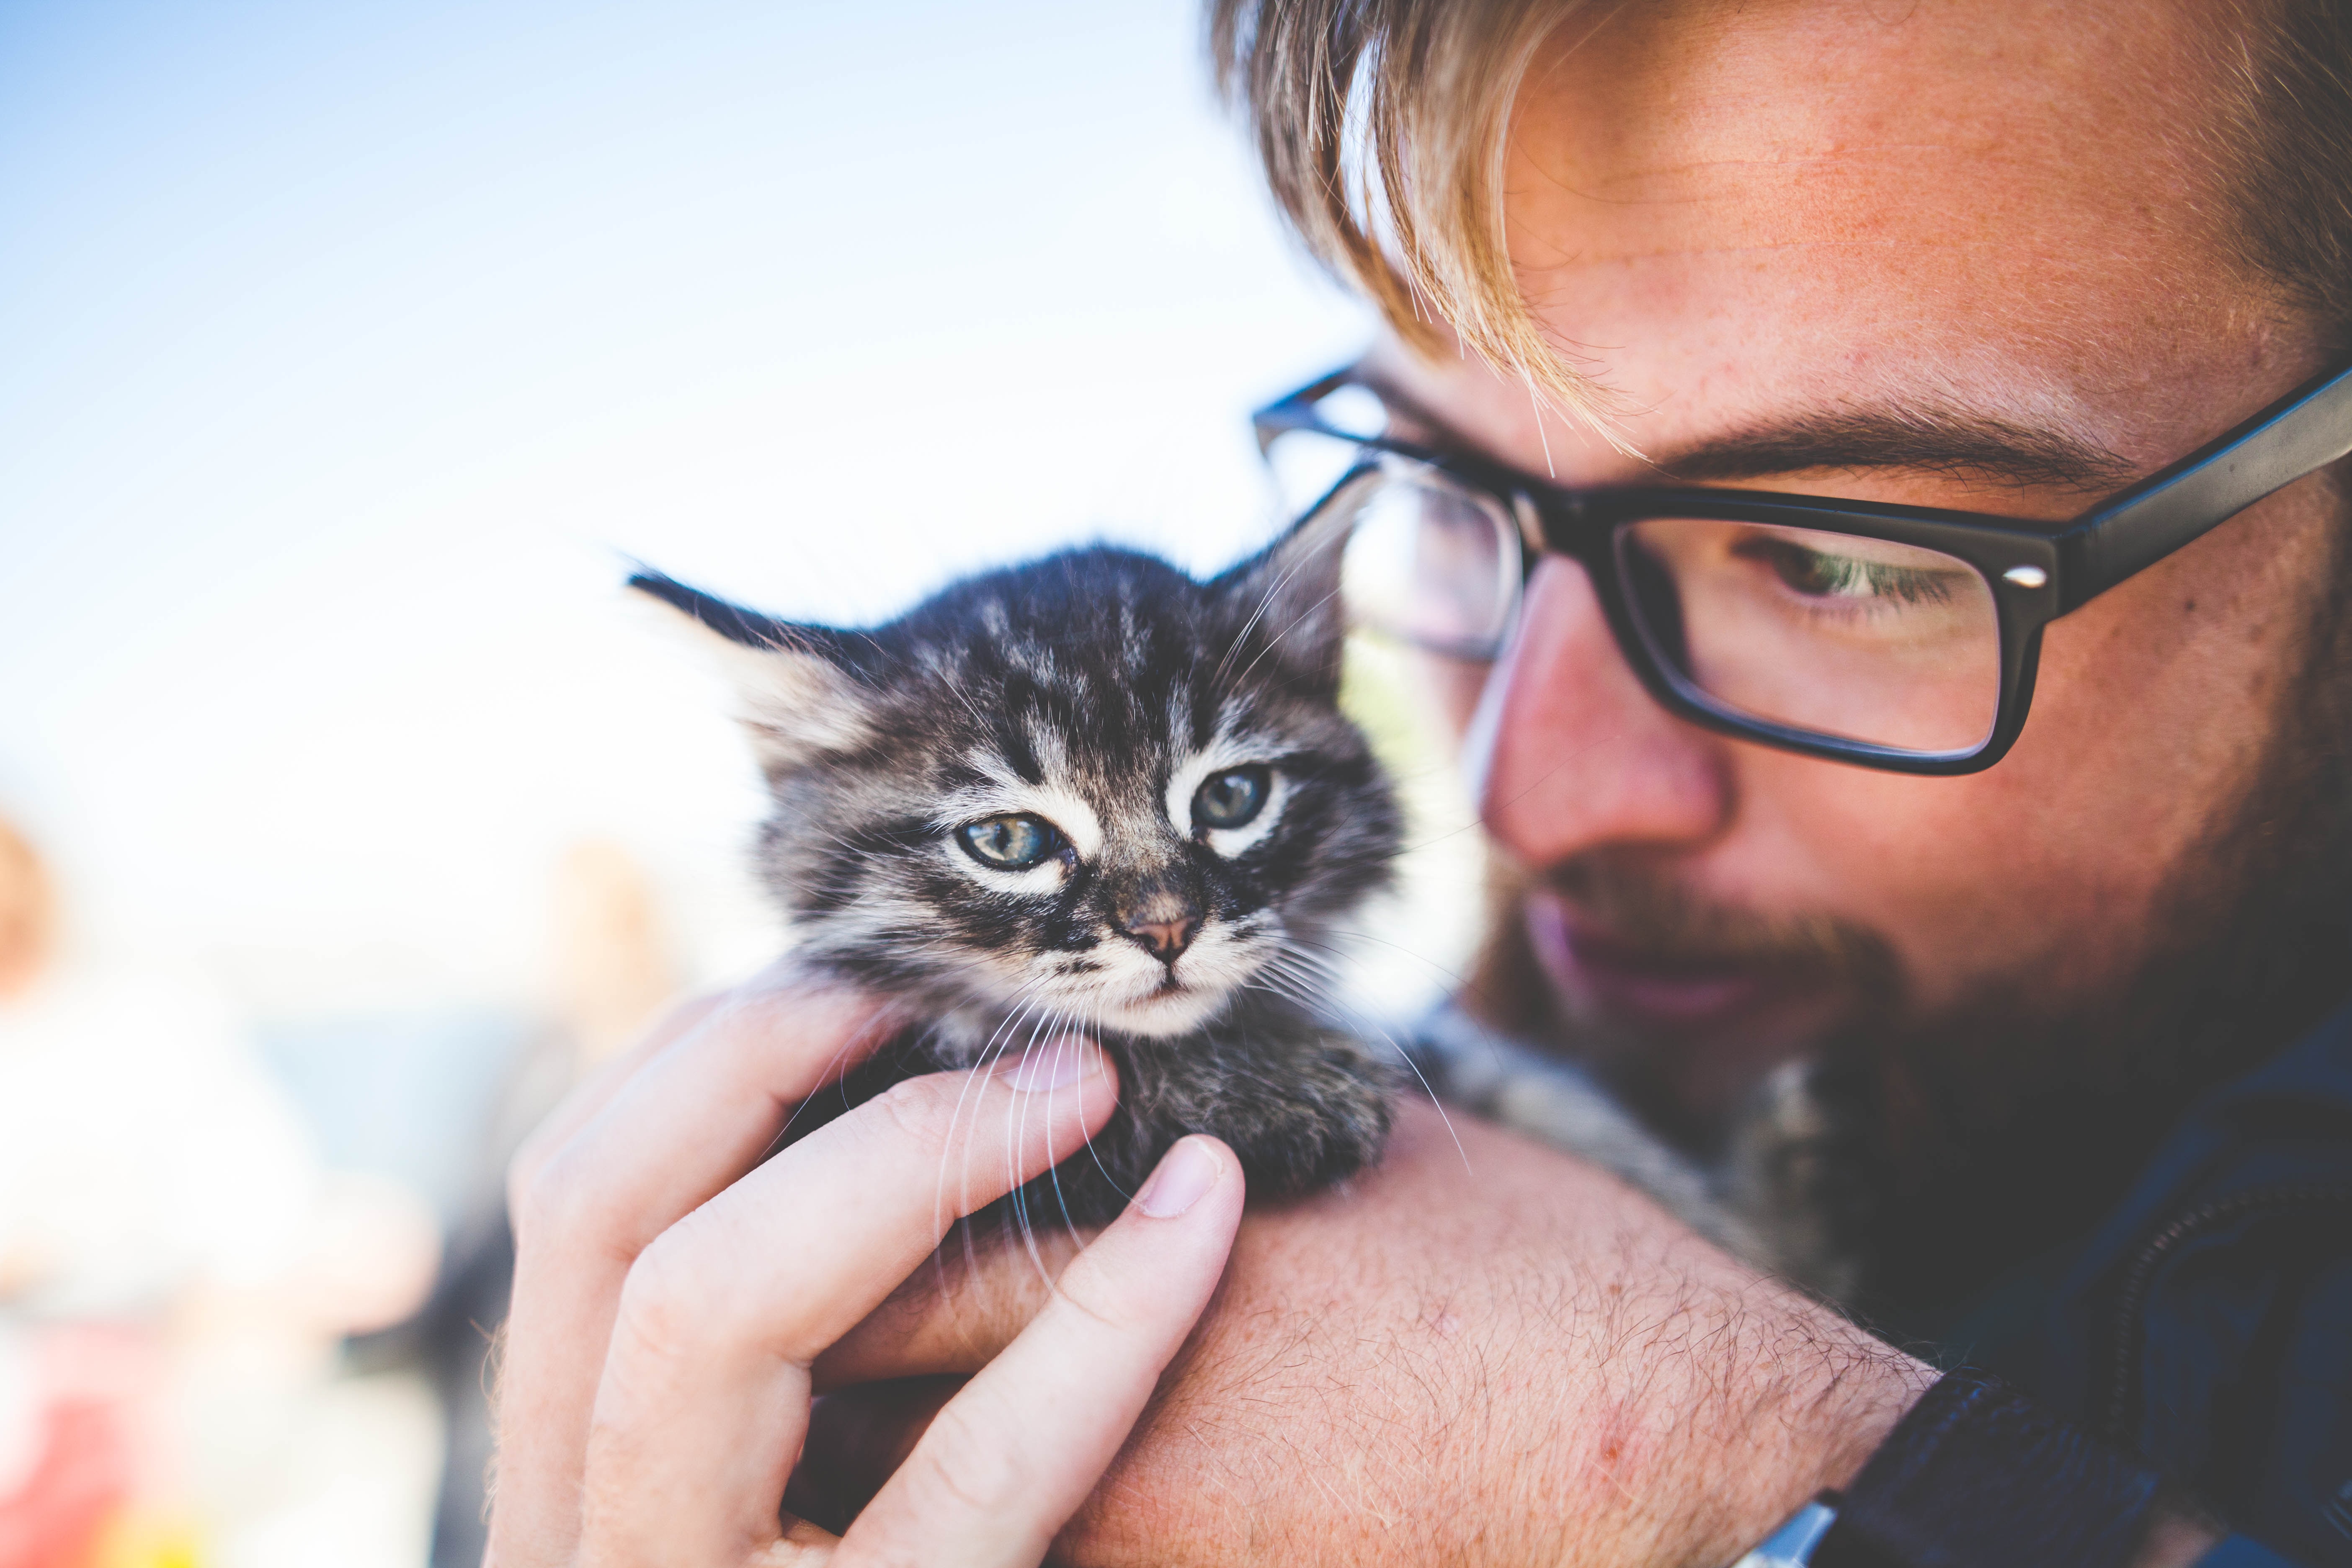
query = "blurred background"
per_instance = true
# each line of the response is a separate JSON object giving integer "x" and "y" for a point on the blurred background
{"x": 347, "y": 354}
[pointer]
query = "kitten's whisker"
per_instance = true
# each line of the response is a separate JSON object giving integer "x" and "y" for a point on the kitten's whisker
{"x": 1265, "y": 602}
{"x": 1275, "y": 641}
{"x": 1061, "y": 1197}
{"x": 988, "y": 1052}
{"x": 1278, "y": 965}
{"x": 999, "y": 1044}
{"x": 1054, "y": 1172}
{"x": 1109, "y": 1179}
{"x": 1458, "y": 984}
{"x": 1046, "y": 1021}
{"x": 1055, "y": 1026}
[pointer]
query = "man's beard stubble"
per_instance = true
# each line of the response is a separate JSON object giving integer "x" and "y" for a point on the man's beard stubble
{"x": 1968, "y": 1142}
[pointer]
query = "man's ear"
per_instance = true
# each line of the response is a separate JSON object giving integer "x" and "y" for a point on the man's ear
{"x": 1283, "y": 606}
{"x": 800, "y": 700}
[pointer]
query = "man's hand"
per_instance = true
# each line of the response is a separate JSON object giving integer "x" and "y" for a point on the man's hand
{"x": 1488, "y": 1354}
{"x": 672, "y": 1291}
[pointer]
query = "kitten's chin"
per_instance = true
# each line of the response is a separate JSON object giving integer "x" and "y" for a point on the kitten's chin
{"x": 1164, "y": 1014}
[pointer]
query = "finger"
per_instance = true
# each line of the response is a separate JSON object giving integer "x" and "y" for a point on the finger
{"x": 958, "y": 1317}
{"x": 590, "y": 1095}
{"x": 764, "y": 1006}
{"x": 955, "y": 1317}
{"x": 705, "y": 1393}
{"x": 1006, "y": 1462}
{"x": 697, "y": 1111}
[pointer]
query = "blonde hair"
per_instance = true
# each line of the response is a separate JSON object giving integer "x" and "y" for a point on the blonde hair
{"x": 1383, "y": 126}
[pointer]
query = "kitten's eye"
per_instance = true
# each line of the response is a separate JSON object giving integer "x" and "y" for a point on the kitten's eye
{"x": 1230, "y": 799}
{"x": 1013, "y": 842}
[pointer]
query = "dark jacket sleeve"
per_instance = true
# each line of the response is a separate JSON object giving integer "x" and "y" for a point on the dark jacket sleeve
{"x": 2209, "y": 1326}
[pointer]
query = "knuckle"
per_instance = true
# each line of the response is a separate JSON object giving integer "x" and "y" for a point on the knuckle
{"x": 910, "y": 1112}
{"x": 685, "y": 1295}
{"x": 538, "y": 1201}
{"x": 538, "y": 1150}
{"x": 662, "y": 1308}
{"x": 562, "y": 1202}
{"x": 1100, "y": 1296}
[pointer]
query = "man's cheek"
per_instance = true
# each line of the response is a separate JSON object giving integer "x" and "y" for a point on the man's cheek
{"x": 1960, "y": 878}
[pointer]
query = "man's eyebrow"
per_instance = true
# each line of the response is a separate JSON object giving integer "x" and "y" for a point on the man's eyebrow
{"x": 1923, "y": 439}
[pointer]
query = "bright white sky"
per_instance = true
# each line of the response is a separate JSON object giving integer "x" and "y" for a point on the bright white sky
{"x": 344, "y": 350}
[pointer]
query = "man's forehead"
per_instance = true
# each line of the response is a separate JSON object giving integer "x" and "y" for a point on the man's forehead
{"x": 1821, "y": 223}
{"x": 1949, "y": 124}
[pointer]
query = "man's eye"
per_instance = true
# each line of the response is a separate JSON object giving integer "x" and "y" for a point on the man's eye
{"x": 1011, "y": 843}
{"x": 1818, "y": 574}
{"x": 1230, "y": 799}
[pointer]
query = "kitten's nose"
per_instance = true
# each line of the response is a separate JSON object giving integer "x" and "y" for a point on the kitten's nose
{"x": 1167, "y": 939}
{"x": 1163, "y": 920}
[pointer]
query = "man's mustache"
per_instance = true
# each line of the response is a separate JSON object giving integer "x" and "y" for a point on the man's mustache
{"x": 1643, "y": 908}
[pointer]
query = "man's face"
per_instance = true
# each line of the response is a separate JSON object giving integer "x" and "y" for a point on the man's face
{"x": 1956, "y": 225}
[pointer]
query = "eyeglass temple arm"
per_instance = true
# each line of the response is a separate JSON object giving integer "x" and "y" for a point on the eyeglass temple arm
{"x": 1295, "y": 410}
{"x": 2309, "y": 429}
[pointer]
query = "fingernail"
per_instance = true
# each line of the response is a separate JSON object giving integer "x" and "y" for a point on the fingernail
{"x": 1185, "y": 1172}
{"x": 1056, "y": 1064}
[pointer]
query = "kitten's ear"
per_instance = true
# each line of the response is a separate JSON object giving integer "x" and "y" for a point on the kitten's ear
{"x": 800, "y": 699}
{"x": 1283, "y": 605}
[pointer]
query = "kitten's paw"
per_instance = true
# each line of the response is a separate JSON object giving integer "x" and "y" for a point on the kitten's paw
{"x": 1300, "y": 1110}
{"x": 1328, "y": 1118}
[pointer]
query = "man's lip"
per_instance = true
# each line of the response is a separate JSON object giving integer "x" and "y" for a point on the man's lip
{"x": 1636, "y": 984}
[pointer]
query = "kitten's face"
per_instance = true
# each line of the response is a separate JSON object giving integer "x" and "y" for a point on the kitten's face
{"x": 1135, "y": 893}
{"x": 1088, "y": 791}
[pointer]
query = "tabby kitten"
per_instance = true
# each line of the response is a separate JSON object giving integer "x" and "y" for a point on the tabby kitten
{"x": 1093, "y": 792}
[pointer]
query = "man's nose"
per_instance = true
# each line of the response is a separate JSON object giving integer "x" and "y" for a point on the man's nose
{"x": 1579, "y": 755}
{"x": 1163, "y": 919}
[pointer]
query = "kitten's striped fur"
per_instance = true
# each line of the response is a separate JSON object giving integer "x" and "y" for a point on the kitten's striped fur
{"x": 1097, "y": 690}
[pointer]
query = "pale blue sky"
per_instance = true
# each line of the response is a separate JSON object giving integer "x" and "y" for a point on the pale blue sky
{"x": 344, "y": 347}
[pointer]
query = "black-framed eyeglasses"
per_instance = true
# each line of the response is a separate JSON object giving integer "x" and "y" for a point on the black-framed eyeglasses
{"x": 1901, "y": 638}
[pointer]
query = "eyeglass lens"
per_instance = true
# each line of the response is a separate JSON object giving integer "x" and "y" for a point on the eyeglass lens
{"x": 1860, "y": 640}
{"x": 1828, "y": 634}
{"x": 1429, "y": 562}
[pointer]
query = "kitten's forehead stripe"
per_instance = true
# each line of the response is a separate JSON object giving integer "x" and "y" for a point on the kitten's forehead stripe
{"x": 1205, "y": 710}
{"x": 1013, "y": 737}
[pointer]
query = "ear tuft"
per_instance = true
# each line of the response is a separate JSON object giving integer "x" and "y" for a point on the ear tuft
{"x": 733, "y": 622}
{"x": 800, "y": 700}
{"x": 1283, "y": 606}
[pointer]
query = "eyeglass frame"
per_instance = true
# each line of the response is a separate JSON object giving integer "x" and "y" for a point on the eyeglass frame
{"x": 2036, "y": 570}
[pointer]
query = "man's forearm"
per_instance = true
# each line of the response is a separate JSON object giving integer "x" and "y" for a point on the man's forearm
{"x": 1487, "y": 1353}
{"x": 1755, "y": 1399}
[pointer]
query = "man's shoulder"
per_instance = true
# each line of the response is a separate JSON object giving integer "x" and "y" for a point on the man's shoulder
{"x": 2210, "y": 1322}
